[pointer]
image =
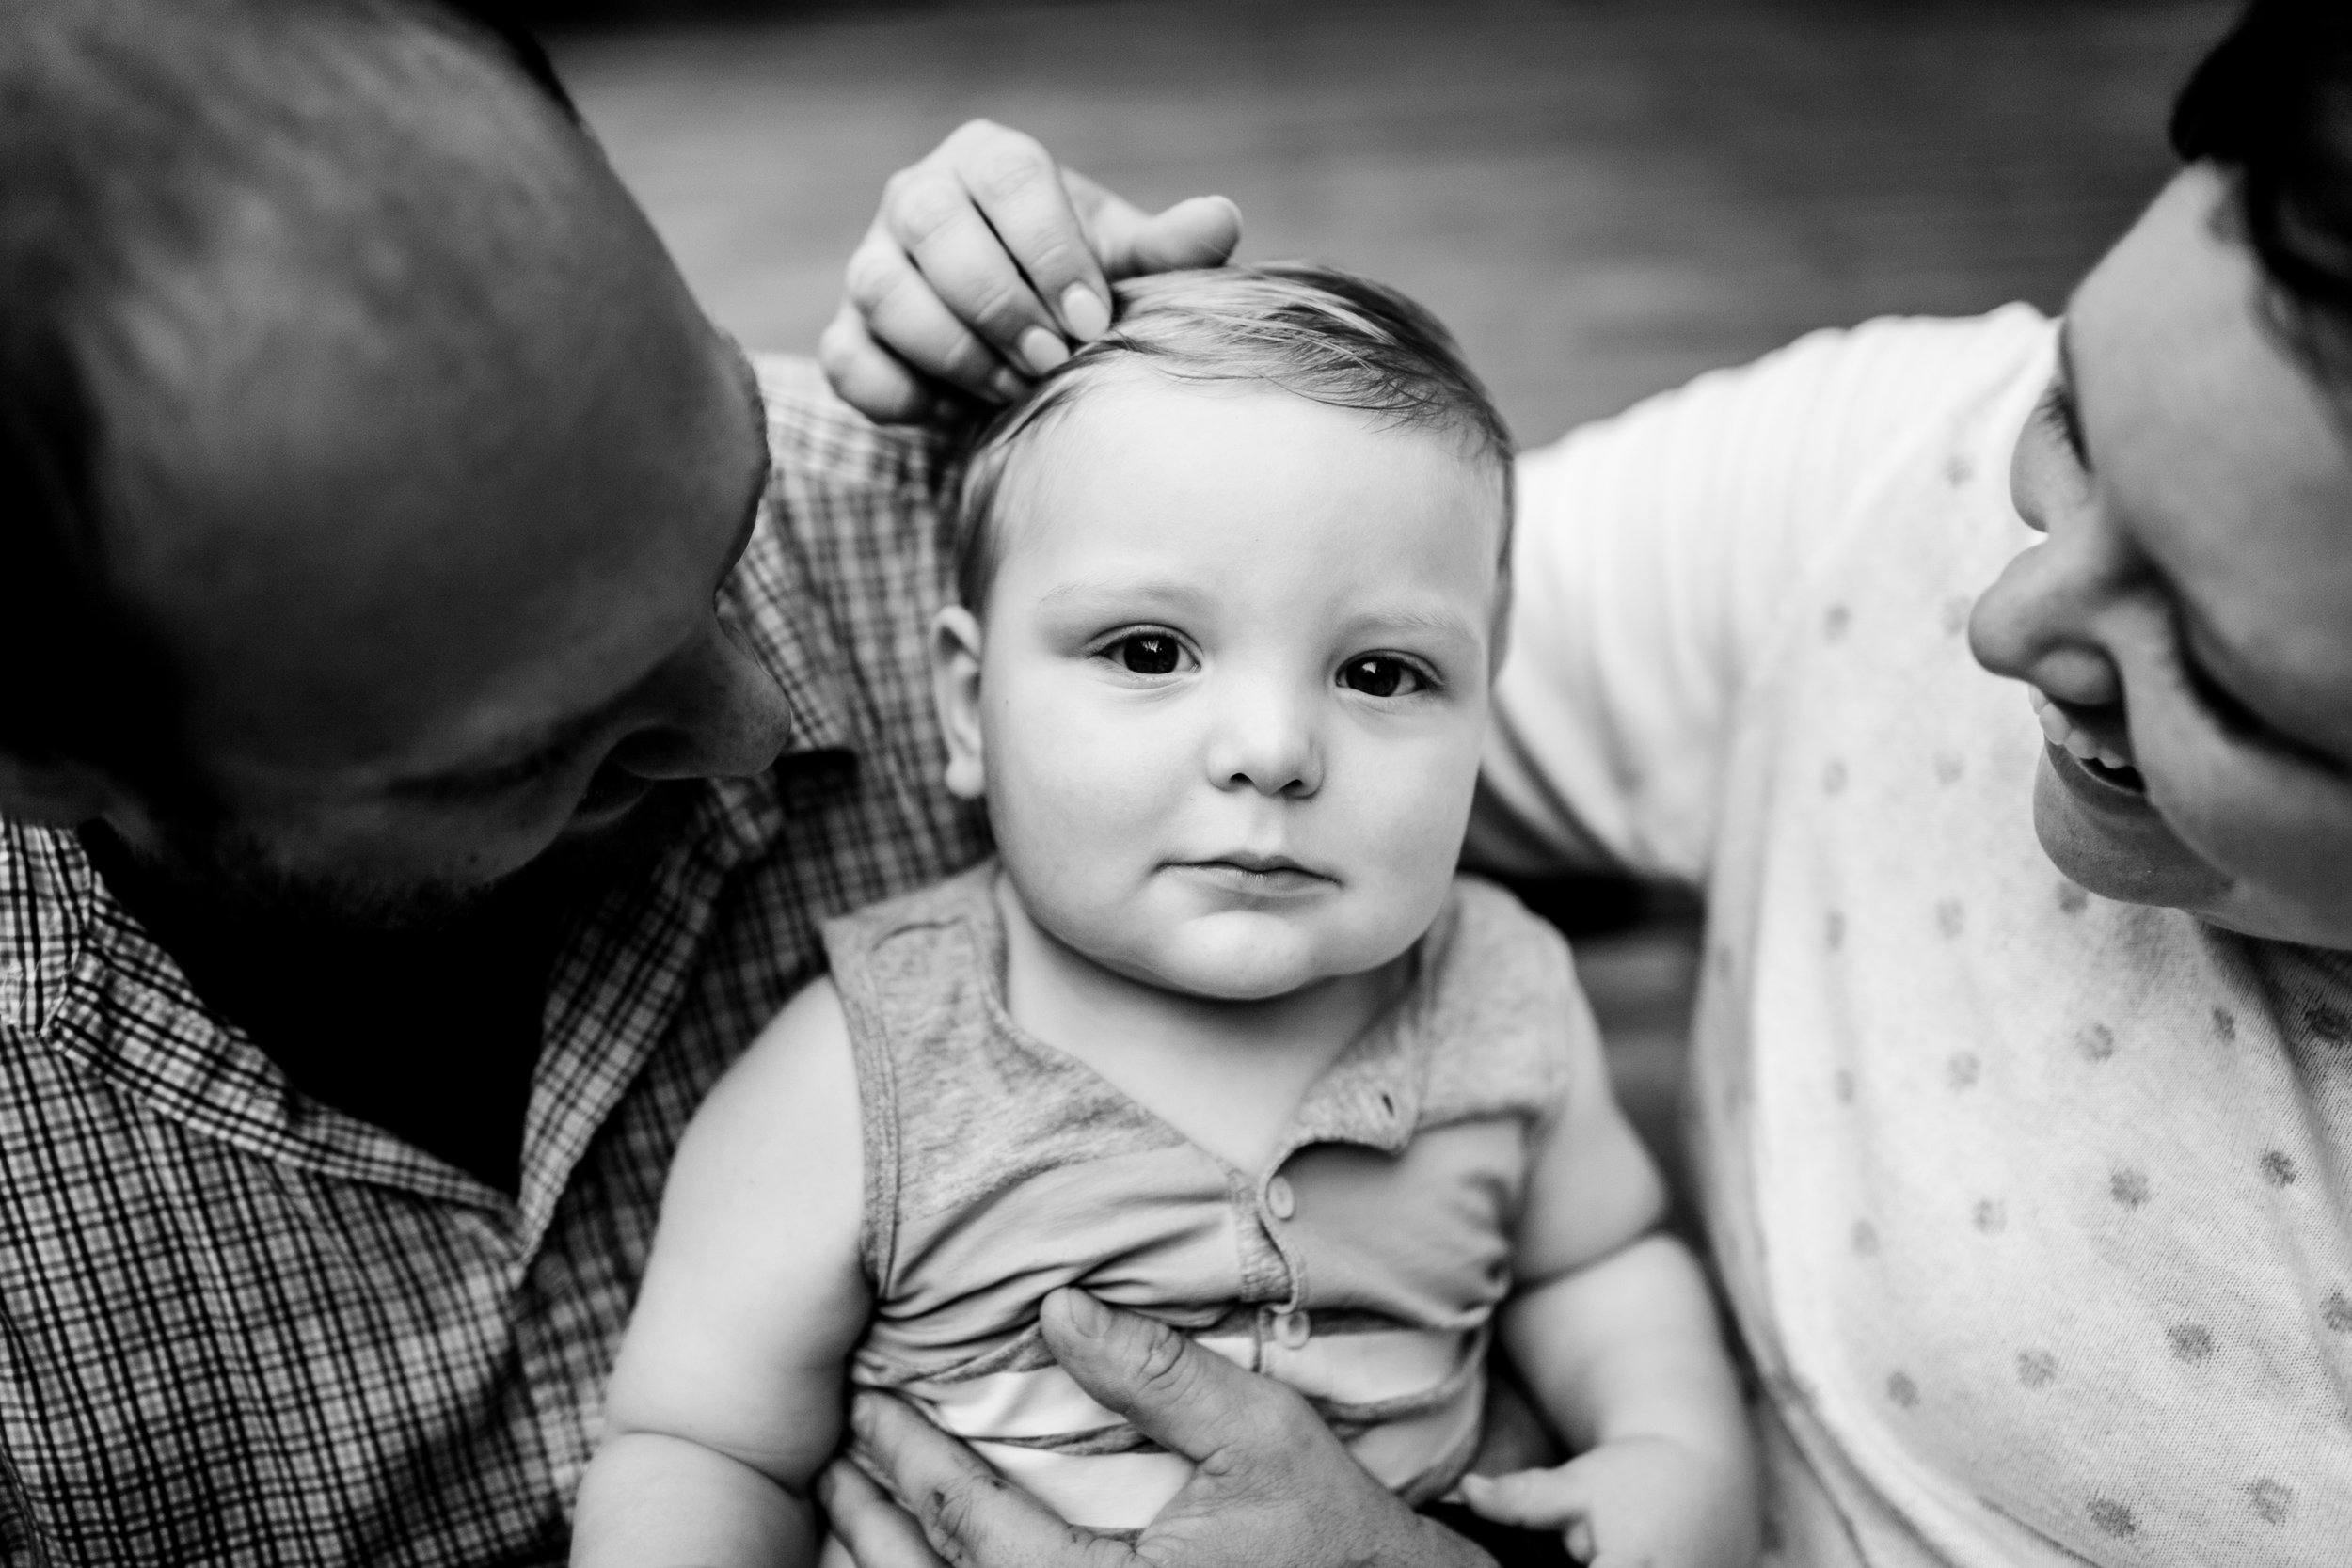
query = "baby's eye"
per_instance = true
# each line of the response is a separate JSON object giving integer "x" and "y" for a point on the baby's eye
{"x": 1380, "y": 675}
{"x": 1148, "y": 653}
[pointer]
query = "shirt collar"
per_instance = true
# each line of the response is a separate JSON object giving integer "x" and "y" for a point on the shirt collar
{"x": 47, "y": 894}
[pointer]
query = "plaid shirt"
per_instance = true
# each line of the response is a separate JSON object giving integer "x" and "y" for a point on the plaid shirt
{"x": 237, "y": 1325}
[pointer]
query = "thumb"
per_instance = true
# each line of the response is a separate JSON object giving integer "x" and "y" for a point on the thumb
{"x": 1129, "y": 243}
{"x": 1189, "y": 1400}
{"x": 1526, "y": 1499}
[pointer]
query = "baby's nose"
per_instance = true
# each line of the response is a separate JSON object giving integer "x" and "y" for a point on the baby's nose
{"x": 1267, "y": 743}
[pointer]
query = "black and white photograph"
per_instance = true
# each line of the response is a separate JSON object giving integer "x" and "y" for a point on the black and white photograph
{"x": 1176, "y": 784}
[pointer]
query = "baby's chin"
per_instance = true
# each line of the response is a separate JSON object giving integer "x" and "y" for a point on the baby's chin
{"x": 1240, "y": 965}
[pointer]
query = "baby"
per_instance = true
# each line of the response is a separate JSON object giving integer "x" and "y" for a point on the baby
{"x": 1219, "y": 1036}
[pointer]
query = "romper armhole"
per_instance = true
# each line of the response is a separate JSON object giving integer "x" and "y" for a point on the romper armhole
{"x": 846, "y": 946}
{"x": 1577, "y": 1042}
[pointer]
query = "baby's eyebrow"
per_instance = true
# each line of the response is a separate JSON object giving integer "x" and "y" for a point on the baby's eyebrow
{"x": 1157, "y": 591}
{"x": 1419, "y": 620}
{"x": 1442, "y": 624}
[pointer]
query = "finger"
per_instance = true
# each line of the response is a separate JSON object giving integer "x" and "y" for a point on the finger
{"x": 932, "y": 218}
{"x": 968, "y": 1512}
{"x": 1018, "y": 190}
{"x": 867, "y": 376}
{"x": 1528, "y": 1499}
{"x": 877, "y": 1531}
{"x": 1201, "y": 231}
{"x": 1186, "y": 1399}
{"x": 902, "y": 311}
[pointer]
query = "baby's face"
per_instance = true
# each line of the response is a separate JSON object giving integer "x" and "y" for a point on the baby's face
{"x": 1234, "y": 683}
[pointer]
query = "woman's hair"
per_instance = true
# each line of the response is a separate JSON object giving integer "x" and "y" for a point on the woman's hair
{"x": 1311, "y": 331}
{"x": 2272, "y": 106}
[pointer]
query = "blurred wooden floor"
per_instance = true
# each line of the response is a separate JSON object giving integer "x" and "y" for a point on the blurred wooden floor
{"x": 1602, "y": 196}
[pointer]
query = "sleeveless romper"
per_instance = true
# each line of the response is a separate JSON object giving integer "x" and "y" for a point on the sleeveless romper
{"x": 1360, "y": 1266}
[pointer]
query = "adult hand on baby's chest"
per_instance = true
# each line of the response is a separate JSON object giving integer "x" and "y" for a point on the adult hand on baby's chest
{"x": 1271, "y": 1484}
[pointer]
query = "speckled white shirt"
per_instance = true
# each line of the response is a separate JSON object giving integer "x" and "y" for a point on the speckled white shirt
{"x": 2031, "y": 1206}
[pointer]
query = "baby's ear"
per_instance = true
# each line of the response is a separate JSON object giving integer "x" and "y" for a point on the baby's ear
{"x": 956, "y": 640}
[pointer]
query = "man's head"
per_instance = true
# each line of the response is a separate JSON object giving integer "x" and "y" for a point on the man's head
{"x": 2189, "y": 617}
{"x": 370, "y": 474}
{"x": 1241, "y": 572}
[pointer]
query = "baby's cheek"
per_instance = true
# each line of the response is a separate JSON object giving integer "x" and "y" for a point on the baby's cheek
{"x": 1414, "y": 848}
{"x": 1420, "y": 799}
{"x": 1079, "y": 801}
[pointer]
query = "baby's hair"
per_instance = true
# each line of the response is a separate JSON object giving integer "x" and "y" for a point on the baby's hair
{"x": 1309, "y": 330}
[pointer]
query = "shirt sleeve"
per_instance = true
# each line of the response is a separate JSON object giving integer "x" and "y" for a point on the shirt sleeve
{"x": 1656, "y": 554}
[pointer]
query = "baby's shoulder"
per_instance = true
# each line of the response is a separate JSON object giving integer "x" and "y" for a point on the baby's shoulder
{"x": 1507, "y": 1025}
{"x": 800, "y": 1059}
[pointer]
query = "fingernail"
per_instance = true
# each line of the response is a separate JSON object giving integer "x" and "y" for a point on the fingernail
{"x": 1088, "y": 1315}
{"x": 1007, "y": 384}
{"x": 1042, "y": 351}
{"x": 1084, "y": 313}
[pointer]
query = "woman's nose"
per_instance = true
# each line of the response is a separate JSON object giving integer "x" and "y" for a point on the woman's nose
{"x": 1265, "y": 740}
{"x": 715, "y": 713}
{"x": 2037, "y": 624}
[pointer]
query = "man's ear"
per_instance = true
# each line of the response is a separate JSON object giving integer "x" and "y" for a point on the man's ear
{"x": 956, "y": 642}
{"x": 55, "y": 793}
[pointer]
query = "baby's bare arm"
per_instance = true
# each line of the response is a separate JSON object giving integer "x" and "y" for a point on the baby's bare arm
{"x": 1628, "y": 1347}
{"x": 727, "y": 1398}
{"x": 1613, "y": 1330}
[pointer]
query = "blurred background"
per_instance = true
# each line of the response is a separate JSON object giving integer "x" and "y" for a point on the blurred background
{"x": 1603, "y": 197}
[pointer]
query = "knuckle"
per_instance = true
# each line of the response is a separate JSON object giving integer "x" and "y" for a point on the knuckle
{"x": 873, "y": 272}
{"x": 924, "y": 202}
{"x": 924, "y": 340}
{"x": 1050, "y": 252}
{"x": 967, "y": 363}
{"x": 1010, "y": 166}
{"x": 1290, "y": 1424}
{"x": 951, "y": 1511}
{"x": 1166, "y": 1369}
{"x": 976, "y": 132}
{"x": 996, "y": 303}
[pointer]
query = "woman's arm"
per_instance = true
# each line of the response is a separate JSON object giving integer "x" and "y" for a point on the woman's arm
{"x": 729, "y": 1394}
{"x": 1657, "y": 558}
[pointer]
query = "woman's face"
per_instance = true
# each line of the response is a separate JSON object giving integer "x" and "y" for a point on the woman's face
{"x": 2189, "y": 618}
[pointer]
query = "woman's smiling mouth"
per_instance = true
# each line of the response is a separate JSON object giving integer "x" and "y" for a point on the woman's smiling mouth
{"x": 2111, "y": 762}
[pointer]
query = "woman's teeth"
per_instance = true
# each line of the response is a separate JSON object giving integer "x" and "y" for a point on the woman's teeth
{"x": 2077, "y": 742}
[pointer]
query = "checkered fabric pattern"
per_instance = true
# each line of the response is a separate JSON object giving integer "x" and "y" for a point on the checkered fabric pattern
{"x": 237, "y": 1326}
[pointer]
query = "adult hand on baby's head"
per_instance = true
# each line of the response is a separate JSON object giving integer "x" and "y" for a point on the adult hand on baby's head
{"x": 1271, "y": 1484}
{"x": 1633, "y": 1500}
{"x": 984, "y": 262}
